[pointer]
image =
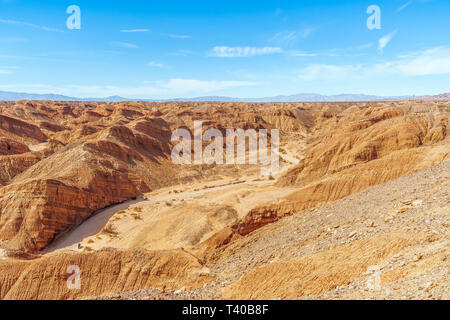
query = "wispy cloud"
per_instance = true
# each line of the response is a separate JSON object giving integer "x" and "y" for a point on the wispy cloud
{"x": 170, "y": 35}
{"x": 357, "y": 50}
{"x": 31, "y": 25}
{"x": 190, "y": 85}
{"x": 13, "y": 39}
{"x": 239, "y": 52}
{"x": 178, "y": 36}
{"x": 182, "y": 53}
{"x": 8, "y": 69}
{"x": 158, "y": 89}
{"x": 302, "y": 54}
{"x": 135, "y": 30}
{"x": 155, "y": 64}
{"x": 350, "y": 51}
{"x": 431, "y": 61}
{"x": 289, "y": 37}
{"x": 125, "y": 45}
{"x": 327, "y": 72}
{"x": 383, "y": 42}
{"x": 365, "y": 46}
{"x": 404, "y": 6}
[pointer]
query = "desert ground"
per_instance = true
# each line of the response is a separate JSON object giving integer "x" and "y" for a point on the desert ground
{"x": 359, "y": 207}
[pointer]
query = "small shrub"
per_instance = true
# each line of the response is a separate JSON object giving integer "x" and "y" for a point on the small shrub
{"x": 136, "y": 216}
{"x": 91, "y": 241}
{"x": 110, "y": 230}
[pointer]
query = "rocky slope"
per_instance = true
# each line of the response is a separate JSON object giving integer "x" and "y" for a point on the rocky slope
{"x": 358, "y": 147}
{"x": 400, "y": 228}
{"x": 102, "y": 273}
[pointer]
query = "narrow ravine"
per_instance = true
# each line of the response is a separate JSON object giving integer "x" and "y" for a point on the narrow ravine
{"x": 95, "y": 224}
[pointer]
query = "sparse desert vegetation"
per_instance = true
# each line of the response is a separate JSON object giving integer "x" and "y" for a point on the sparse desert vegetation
{"x": 110, "y": 230}
{"x": 136, "y": 216}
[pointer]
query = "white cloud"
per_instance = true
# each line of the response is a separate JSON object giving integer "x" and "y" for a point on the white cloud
{"x": 383, "y": 42}
{"x": 302, "y": 54}
{"x": 432, "y": 61}
{"x": 365, "y": 46}
{"x": 182, "y": 53}
{"x": 155, "y": 64}
{"x": 31, "y": 25}
{"x": 13, "y": 39}
{"x": 135, "y": 30}
{"x": 125, "y": 45}
{"x": 288, "y": 37}
{"x": 179, "y": 36}
{"x": 189, "y": 85}
{"x": 353, "y": 50}
{"x": 7, "y": 69}
{"x": 238, "y": 52}
{"x": 327, "y": 72}
{"x": 157, "y": 89}
{"x": 404, "y": 6}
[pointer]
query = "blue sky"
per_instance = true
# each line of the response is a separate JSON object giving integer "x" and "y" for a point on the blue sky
{"x": 168, "y": 49}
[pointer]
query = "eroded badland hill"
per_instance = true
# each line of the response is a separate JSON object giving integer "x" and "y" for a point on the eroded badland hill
{"x": 359, "y": 207}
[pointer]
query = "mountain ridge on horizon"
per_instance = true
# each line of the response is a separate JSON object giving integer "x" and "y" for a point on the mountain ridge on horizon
{"x": 300, "y": 97}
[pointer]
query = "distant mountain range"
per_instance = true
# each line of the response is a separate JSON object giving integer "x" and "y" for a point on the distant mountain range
{"x": 15, "y": 96}
{"x": 302, "y": 97}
